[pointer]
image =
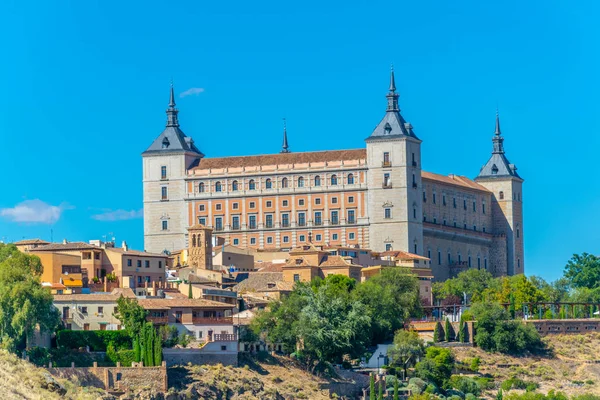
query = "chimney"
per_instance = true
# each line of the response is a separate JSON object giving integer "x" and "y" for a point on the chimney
{"x": 105, "y": 281}
{"x": 65, "y": 241}
{"x": 124, "y": 246}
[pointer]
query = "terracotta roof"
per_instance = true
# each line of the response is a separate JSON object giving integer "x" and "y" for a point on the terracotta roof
{"x": 258, "y": 281}
{"x": 283, "y": 158}
{"x": 403, "y": 255}
{"x": 135, "y": 252}
{"x": 456, "y": 180}
{"x": 337, "y": 261}
{"x": 112, "y": 296}
{"x": 66, "y": 246}
{"x": 30, "y": 241}
{"x": 268, "y": 266}
{"x": 162, "y": 304}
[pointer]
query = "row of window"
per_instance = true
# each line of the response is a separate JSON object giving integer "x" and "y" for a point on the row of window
{"x": 84, "y": 310}
{"x": 271, "y": 184}
{"x": 284, "y": 220}
{"x": 269, "y": 203}
{"x": 301, "y": 238}
{"x": 146, "y": 262}
{"x": 454, "y": 204}
{"x": 454, "y": 223}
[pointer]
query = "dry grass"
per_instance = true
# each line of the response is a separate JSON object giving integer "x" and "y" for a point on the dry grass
{"x": 565, "y": 369}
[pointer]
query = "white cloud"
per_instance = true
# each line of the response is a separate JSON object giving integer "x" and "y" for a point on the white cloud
{"x": 195, "y": 91}
{"x": 118, "y": 215}
{"x": 34, "y": 212}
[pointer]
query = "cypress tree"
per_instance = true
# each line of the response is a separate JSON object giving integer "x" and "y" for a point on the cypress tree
{"x": 511, "y": 307}
{"x": 157, "y": 350}
{"x": 396, "y": 389}
{"x": 190, "y": 295}
{"x": 461, "y": 332}
{"x": 142, "y": 341}
{"x": 372, "y": 388}
{"x": 136, "y": 349}
{"x": 149, "y": 359}
{"x": 437, "y": 332}
{"x": 380, "y": 395}
{"x": 448, "y": 330}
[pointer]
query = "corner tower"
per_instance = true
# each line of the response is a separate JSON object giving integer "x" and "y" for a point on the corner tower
{"x": 501, "y": 178}
{"x": 165, "y": 166}
{"x": 394, "y": 182}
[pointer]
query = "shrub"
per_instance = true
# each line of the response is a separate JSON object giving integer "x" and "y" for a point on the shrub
{"x": 96, "y": 340}
{"x": 417, "y": 385}
{"x": 475, "y": 362}
{"x": 465, "y": 384}
{"x": 470, "y": 396}
{"x": 39, "y": 356}
{"x": 111, "y": 277}
{"x": 125, "y": 357}
{"x": 517, "y": 383}
{"x": 448, "y": 331}
{"x": 437, "y": 332}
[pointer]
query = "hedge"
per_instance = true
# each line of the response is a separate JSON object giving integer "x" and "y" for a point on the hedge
{"x": 96, "y": 340}
{"x": 125, "y": 357}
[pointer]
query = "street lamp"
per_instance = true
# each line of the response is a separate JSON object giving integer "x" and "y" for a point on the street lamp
{"x": 379, "y": 357}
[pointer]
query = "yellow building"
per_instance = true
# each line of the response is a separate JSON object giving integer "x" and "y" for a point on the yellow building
{"x": 308, "y": 261}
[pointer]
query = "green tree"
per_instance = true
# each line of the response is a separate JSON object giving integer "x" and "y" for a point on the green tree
{"x": 437, "y": 366}
{"x": 461, "y": 332}
{"x": 408, "y": 348}
{"x": 473, "y": 282}
{"x": 437, "y": 332}
{"x": 391, "y": 298}
{"x": 372, "y": 387}
{"x": 448, "y": 330}
{"x": 190, "y": 294}
{"x": 131, "y": 315}
{"x": 24, "y": 303}
{"x": 583, "y": 270}
{"x": 395, "y": 389}
{"x": 380, "y": 393}
{"x": 137, "y": 351}
{"x": 157, "y": 349}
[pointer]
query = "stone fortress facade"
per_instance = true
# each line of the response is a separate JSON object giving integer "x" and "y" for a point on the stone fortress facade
{"x": 376, "y": 197}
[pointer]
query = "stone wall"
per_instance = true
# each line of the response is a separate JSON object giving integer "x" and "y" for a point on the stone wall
{"x": 211, "y": 353}
{"x": 561, "y": 326}
{"x": 117, "y": 378}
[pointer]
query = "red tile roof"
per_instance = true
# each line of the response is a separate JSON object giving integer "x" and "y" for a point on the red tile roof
{"x": 456, "y": 180}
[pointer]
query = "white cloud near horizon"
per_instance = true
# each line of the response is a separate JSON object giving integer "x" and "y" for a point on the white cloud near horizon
{"x": 195, "y": 91}
{"x": 34, "y": 212}
{"x": 119, "y": 215}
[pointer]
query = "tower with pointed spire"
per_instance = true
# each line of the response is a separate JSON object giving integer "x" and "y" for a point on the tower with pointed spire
{"x": 500, "y": 177}
{"x": 284, "y": 146}
{"x": 165, "y": 165}
{"x": 394, "y": 181}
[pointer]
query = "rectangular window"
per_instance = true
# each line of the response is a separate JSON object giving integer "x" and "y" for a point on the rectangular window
{"x": 163, "y": 172}
{"x": 318, "y": 220}
{"x": 483, "y": 208}
{"x": 286, "y": 239}
{"x": 387, "y": 181}
{"x": 160, "y": 264}
{"x": 351, "y": 236}
{"x": 253, "y": 240}
{"x": 100, "y": 310}
{"x": 218, "y": 223}
{"x": 424, "y": 197}
{"x": 439, "y": 258}
{"x": 269, "y": 240}
{"x": 301, "y": 202}
{"x": 202, "y": 207}
{"x": 252, "y": 205}
{"x": 474, "y": 206}
{"x": 334, "y": 217}
{"x": 388, "y": 247}
{"x": 464, "y": 204}
{"x": 334, "y": 236}
{"x": 387, "y": 213}
{"x": 429, "y": 254}
{"x": 296, "y": 277}
{"x": 351, "y": 199}
{"x": 444, "y": 199}
{"x": 318, "y": 201}
{"x": 202, "y": 220}
{"x": 318, "y": 237}
{"x": 449, "y": 259}
{"x": 454, "y": 202}
{"x": 350, "y": 218}
{"x": 218, "y": 207}
{"x": 334, "y": 200}
{"x": 86, "y": 327}
{"x": 284, "y": 203}
{"x": 165, "y": 225}
{"x": 285, "y": 220}
{"x": 129, "y": 262}
{"x": 235, "y": 222}
{"x": 146, "y": 263}
{"x": 386, "y": 159}
{"x": 84, "y": 310}
{"x": 236, "y": 206}
{"x": 236, "y": 242}
{"x": 433, "y": 198}
{"x": 302, "y": 238}
{"x": 252, "y": 221}
{"x": 269, "y": 204}
{"x": 163, "y": 193}
{"x": 269, "y": 220}
{"x": 139, "y": 263}
{"x": 301, "y": 219}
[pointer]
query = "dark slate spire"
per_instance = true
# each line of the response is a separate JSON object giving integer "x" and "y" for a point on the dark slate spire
{"x": 392, "y": 96}
{"x": 392, "y": 125}
{"x": 498, "y": 165}
{"x": 285, "y": 147}
{"x": 498, "y": 139}
{"x": 172, "y": 112}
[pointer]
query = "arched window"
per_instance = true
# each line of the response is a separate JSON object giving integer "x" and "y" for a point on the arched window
{"x": 218, "y": 187}
{"x": 317, "y": 181}
{"x": 193, "y": 240}
{"x": 334, "y": 179}
{"x": 301, "y": 182}
{"x": 201, "y": 187}
{"x": 350, "y": 179}
{"x": 165, "y": 143}
{"x": 501, "y": 195}
{"x": 234, "y": 186}
{"x": 269, "y": 184}
{"x": 252, "y": 185}
{"x": 284, "y": 182}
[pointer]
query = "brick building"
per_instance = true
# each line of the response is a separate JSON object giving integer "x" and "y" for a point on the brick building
{"x": 376, "y": 197}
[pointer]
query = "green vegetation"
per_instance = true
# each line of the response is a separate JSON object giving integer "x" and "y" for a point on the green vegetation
{"x": 408, "y": 348}
{"x": 24, "y": 303}
{"x": 437, "y": 332}
{"x": 96, "y": 340}
{"x": 336, "y": 318}
{"x": 436, "y": 367}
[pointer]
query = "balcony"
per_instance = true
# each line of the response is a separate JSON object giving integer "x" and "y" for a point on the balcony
{"x": 386, "y": 164}
{"x": 157, "y": 320}
{"x": 224, "y": 337}
{"x": 212, "y": 320}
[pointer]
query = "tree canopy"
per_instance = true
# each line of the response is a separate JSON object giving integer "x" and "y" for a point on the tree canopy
{"x": 131, "y": 315}
{"x": 583, "y": 270}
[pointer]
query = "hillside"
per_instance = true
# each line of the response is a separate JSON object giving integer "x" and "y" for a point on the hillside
{"x": 567, "y": 368}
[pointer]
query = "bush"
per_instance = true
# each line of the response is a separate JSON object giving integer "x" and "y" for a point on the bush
{"x": 125, "y": 357}
{"x": 470, "y": 396}
{"x": 475, "y": 362}
{"x": 465, "y": 384}
{"x": 39, "y": 356}
{"x": 169, "y": 335}
{"x": 437, "y": 333}
{"x": 417, "y": 385}
{"x": 517, "y": 383}
{"x": 454, "y": 394}
{"x": 96, "y": 340}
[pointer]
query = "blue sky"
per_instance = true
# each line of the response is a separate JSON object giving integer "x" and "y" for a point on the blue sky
{"x": 85, "y": 85}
